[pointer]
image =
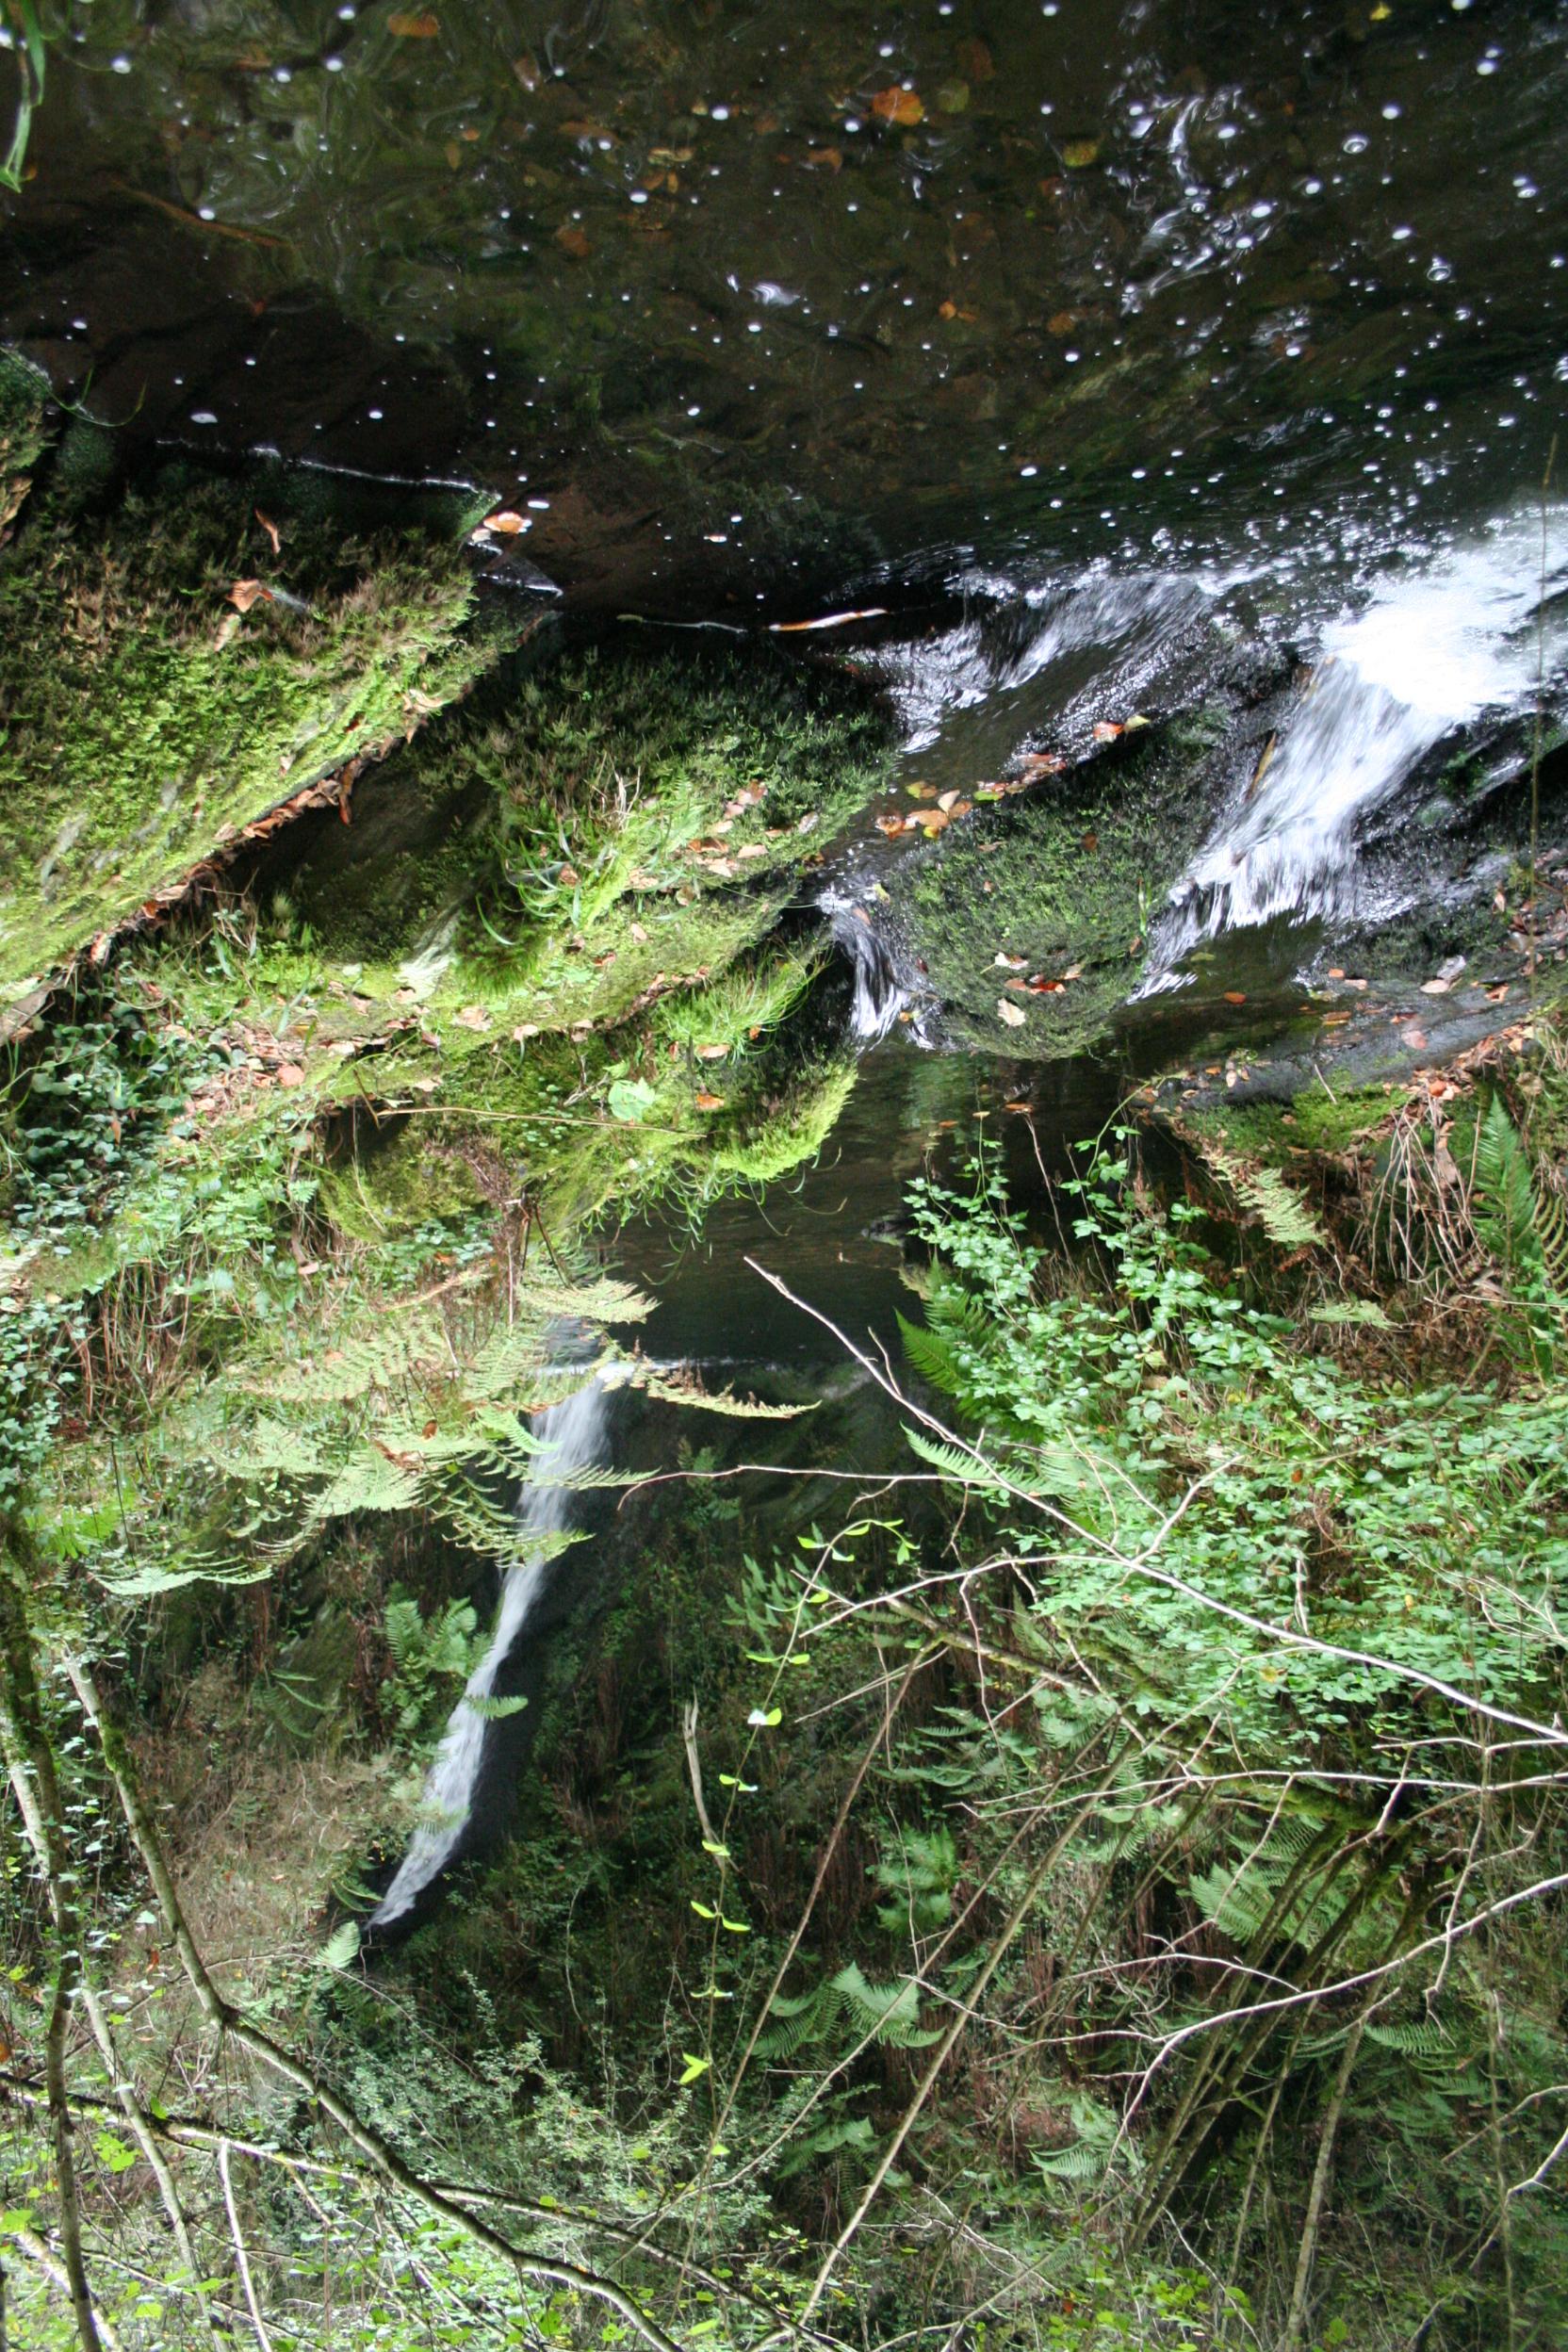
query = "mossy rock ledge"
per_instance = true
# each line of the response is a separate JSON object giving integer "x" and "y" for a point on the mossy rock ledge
{"x": 179, "y": 661}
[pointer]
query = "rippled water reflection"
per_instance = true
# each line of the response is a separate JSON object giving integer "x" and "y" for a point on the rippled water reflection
{"x": 705, "y": 291}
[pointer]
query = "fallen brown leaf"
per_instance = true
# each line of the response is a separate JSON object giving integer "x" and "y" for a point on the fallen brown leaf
{"x": 505, "y": 519}
{"x": 248, "y": 592}
{"x": 894, "y": 105}
{"x": 710, "y": 1102}
{"x": 272, "y": 530}
{"x": 574, "y": 240}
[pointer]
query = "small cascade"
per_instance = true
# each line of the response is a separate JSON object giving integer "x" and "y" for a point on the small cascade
{"x": 881, "y": 989}
{"x": 574, "y": 1431}
{"x": 1431, "y": 650}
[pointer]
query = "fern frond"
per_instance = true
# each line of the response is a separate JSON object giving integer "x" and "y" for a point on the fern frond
{"x": 949, "y": 1460}
{"x": 1507, "y": 1222}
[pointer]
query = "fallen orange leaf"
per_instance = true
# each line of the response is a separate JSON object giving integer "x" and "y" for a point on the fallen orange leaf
{"x": 1106, "y": 730}
{"x": 505, "y": 521}
{"x": 710, "y": 1102}
{"x": 272, "y": 530}
{"x": 248, "y": 592}
{"x": 1235, "y": 996}
{"x": 894, "y": 105}
{"x": 825, "y": 160}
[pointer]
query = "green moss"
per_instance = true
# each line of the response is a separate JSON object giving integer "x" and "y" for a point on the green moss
{"x": 1065, "y": 880}
{"x": 587, "y": 829}
{"x": 147, "y": 721}
{"x": 23, "y": 433}
{"x": 406, "y": 1186}
{"x": 1313, "y": 1120}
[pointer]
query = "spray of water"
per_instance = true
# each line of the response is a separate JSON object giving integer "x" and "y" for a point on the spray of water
{"x": 1430, "y": 651}
{"x": 574, "y": 1432}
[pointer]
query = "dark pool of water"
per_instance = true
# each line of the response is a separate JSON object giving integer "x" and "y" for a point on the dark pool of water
{"x": 737, "y": 299}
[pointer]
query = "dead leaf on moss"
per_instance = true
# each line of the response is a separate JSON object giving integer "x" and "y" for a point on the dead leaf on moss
{"x": 1012, "y": 1014}
{"x": 272, "y": 530}
{"x": 248, "y": 592}
{"x": 710, "y": 1102}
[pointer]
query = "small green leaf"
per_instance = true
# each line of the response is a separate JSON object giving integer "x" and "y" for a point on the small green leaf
{"x": 694, "y": 2069}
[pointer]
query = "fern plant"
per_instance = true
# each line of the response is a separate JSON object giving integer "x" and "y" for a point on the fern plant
{"x": 1523, "y": 1222}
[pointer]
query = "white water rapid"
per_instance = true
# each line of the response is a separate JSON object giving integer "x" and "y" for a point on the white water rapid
{"x": 1430, "y": 649}
{"x": 880, "y": 993}
{"x": 573, "y": 1432}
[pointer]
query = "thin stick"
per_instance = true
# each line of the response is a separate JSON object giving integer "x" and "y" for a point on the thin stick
{"x": 242, "y": 2256}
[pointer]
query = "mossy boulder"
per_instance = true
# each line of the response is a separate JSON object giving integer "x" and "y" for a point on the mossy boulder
{"x": 1055, "y": 888}
{"x": 587, "y": 829}
{"x": 167, "y": 679}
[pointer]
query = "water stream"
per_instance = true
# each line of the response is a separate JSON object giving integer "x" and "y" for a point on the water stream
{"x": 571, "y": 1435}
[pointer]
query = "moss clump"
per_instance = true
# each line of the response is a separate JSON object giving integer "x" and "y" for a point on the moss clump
{"x": 569, "y": 784}
{"x": 1064, "y": 880}
{"x": 24, "y": 433}
{"x": 1312, "y": 1121}
{"x": 147, "y": 720}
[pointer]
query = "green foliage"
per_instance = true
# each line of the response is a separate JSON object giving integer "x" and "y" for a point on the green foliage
{"x": 143, "y": 726}
{"x": 1523, "y": 1220}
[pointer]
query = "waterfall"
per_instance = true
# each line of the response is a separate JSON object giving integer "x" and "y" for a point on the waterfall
{"x": 1430, "y": 650}
{"x": 573, "y": 1432}
{"x": 880, "y": 991}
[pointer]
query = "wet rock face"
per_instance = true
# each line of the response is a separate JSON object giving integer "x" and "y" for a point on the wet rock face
{"x": 1029, "y": 920}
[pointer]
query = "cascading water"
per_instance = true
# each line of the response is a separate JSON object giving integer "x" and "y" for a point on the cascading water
{"x": 573, "y": 1432}
{"x": 1430, "y": 651}
{"x": 881, "y": 989}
